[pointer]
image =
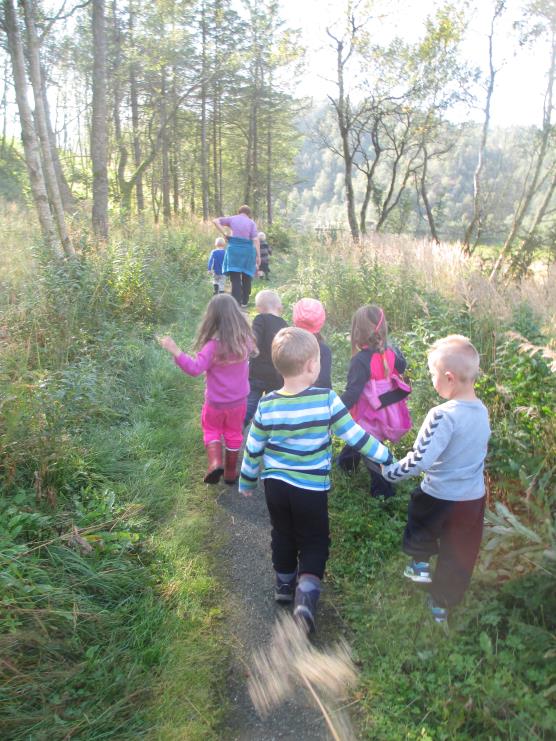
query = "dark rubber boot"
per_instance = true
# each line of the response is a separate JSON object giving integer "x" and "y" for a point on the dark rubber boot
{"x": 230, "y": 466}
{"x": 214, "y": 468}
{"x": 305, "y": 604}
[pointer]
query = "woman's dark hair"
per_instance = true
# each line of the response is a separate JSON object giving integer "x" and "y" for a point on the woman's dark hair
{"x": 244, "y": 210}
{"x": 223, "y": 320}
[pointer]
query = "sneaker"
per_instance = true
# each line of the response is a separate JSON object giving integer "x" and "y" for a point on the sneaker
{"x": 284, "y": 591}
{"x": 439, "y": 614}
{"x": 418, "y": 571}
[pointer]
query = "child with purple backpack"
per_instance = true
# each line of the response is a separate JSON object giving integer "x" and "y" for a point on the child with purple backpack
{"x": 375, "y": 392}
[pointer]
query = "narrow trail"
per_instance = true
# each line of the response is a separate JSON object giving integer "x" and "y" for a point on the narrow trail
{"x": 247, "y": 576}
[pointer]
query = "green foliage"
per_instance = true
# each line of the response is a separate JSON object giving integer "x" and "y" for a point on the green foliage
{"x": 97, "y": 595}
{"x": 489, "y": 675}
{"x": 110, "y": 611}
{"x": 13, "y": 176}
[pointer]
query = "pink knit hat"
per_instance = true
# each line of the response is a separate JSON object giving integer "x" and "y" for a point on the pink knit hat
{"x": 309, "y": 314}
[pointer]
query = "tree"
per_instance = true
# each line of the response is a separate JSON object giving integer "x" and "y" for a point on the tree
{"x": 29, "y": 135}
{"x": 42, "y": 127}
{"x": 543, "y": 15}
{"x": 99, "y": 123}
{"x": 475, "y": 225}
{"x": 348, "y": 116}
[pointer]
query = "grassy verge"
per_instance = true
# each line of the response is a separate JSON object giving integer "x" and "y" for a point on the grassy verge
{"x": 110, "y": 618}
{"x": 488, "y": 676}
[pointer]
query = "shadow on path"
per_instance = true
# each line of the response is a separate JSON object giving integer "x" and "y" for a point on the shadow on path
{"x": 248, "y": 577}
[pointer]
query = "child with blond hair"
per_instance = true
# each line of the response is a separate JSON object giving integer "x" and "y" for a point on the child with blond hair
{"x": 289, "y": 446}
{"x": 214, "y": 265}
{"x": 445, "y": 516}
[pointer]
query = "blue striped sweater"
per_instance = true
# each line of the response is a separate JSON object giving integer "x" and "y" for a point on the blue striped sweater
{"x": 290, "y": 439}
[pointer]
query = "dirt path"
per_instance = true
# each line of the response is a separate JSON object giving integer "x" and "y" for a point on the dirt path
{"x": 248, "y": 575}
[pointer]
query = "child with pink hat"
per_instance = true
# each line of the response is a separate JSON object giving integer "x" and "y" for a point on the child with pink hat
{"x": 309, "y": 314}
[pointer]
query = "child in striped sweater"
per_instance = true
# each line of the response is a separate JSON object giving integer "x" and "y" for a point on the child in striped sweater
{"x": 289, "y": 446}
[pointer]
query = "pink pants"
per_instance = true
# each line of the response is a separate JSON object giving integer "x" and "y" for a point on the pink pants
{"x": 226, "y": 423}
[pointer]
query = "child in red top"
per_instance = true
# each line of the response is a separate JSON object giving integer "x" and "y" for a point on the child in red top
{"x": 375, "y": 392}
{"x": 224, "y": 341}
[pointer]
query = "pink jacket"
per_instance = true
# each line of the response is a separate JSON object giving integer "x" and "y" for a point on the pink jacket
{"x": 227, "y": 383}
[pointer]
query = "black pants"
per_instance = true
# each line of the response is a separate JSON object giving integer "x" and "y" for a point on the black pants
{"x": 300, "y": 536}
{"x": 453, "y": 530}
{"x": 348, "y": 460}
{"x": 241, "y": 287}
{"x": 257, "y": 389}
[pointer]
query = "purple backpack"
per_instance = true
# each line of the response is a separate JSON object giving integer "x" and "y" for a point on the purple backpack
{"x": 382, "y": 407}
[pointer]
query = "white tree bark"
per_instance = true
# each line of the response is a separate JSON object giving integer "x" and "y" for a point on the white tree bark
{"x": 28, "y": 132}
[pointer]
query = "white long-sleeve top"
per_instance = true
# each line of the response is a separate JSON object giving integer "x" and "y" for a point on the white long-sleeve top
{"x": 450, "y": 448}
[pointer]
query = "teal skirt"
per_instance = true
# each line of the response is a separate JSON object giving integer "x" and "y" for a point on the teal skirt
{"x": 240, "y": 257}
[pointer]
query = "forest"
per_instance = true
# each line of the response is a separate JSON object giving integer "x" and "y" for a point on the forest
{"x": 133, "y": 595}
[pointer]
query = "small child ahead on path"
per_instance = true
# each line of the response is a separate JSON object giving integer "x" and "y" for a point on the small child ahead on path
{"x": 289, "y": 445}
{"x": 263, "y": 376}
{"x": 309, "y": 314}
{"x": 445, "y": 515}
{"x": 214, "y": 265}
{"x": 225, "y": 341}
{"x": 375, "y": 392}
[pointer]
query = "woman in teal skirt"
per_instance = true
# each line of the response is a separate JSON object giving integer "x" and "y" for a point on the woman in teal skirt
{"x": 242, "y": 257}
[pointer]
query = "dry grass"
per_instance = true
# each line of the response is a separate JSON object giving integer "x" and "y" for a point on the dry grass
{"x": 444, "y": 269}
{"x": 292, "y": 663}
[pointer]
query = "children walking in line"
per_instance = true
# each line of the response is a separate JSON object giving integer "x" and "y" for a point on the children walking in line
{"x": 309, "y": 314}
{"x": 266, "y": 252}
{"x": 289, "y": 446}
{"x": 214, "y": 265}
{"x": 224, "y": 341}
{"x": 375, "y": 393}
{"x": 263, "y": 376}
{"x": 445, "y": 515}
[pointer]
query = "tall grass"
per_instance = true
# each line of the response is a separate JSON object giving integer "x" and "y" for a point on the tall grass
{"x": 97, "y": 450}
{"x": 110, "y": 613}
{"x": 490, "y": 675}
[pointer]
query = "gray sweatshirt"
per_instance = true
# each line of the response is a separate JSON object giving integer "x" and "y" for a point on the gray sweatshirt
{"x": 450, "y": 447}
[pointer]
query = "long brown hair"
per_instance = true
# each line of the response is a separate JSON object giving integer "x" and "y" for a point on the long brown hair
{"x": 224, "y": 321}
{"x": 369, "y": 328}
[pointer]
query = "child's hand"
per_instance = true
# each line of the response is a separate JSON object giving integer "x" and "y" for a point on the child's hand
{"x": 246, "y": 492}
{"x": 168, "y": 344}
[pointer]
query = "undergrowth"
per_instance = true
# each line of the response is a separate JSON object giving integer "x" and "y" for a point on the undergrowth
{"x": 105, "y": 576}
{"x": 110, "y": 617}
{"x": 491, "y": 674}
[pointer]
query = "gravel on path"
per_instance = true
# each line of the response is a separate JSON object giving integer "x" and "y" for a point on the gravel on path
{"x": 249, "y": 579}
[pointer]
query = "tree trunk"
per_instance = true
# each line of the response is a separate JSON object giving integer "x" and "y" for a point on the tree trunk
{"x": 4, "y": 109}
{"x": 425, "y": 199}
{"x": 269, "y": 210}
{"x": 531, "y": 191}
{"x": 217, "y": 109}
{"x": 69, "y": 201}
{"x": 49, "y": 171}
{"x": 99, "y": 127}
{"x": 476, "y": 218}
{"x": 341, "y": 112}
{"x": 204, "y": 138}
{"x": 522, "y": 259}
{"x": 133, "y": 94}
{"x": 166, "y": 207}
{"x": 28, "y": 133}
